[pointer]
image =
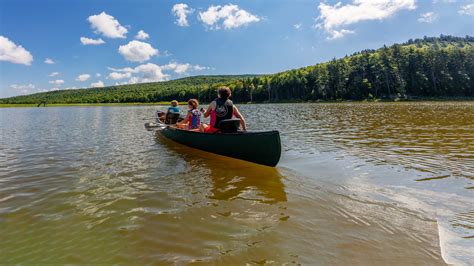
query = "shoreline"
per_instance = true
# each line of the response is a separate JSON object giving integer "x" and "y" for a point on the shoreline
{"x": 16, "y": 105}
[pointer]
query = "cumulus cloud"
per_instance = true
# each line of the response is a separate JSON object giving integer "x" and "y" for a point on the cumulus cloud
{"x": 150, "y": 72}
{"x": 182, "y": 68}
{"x": 467, "y": 10}
{"x": 444, "y": 1}
{"x": 137, "y": 51}
{"x": 297, "y": 26}
{"x": 337, "y": 34}
{"x": 118, "y": 75}
{"x": 141, "y": 35}
{"x": 334, "y": 17}
{"x": 428, "y": 17}
{"x": 107, "y": 25}
{"x": 181, "y": 12}
{"x": 13, "y": 53}
{"x": 22, "y": 86}
{"x": 230, "y": 15}
{"x": 53, "y": 74}
{"x": 98, "y": 84}
{"x": 49, "y": 61}
{"x": 143, "y": 73}
{"x": 88, "y": 41}
{"x": 57, "y": 82}
{"x": 83, "y": 77}
{"x": 98, "y": 75}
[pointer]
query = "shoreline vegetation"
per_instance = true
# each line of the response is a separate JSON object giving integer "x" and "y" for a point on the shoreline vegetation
{"x": 396, "y": 100}
{"x": 433, "y": 68}
{"x": 13, "y": 105}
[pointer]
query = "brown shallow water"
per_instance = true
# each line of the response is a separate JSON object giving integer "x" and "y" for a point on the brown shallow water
{"x": 357, "y": 183}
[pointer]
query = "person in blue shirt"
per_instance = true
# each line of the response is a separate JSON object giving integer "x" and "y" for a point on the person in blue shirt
{"x": 172, "y": 109}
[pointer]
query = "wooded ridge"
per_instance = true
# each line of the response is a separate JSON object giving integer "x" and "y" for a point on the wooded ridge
{"x": 429, "y": 67}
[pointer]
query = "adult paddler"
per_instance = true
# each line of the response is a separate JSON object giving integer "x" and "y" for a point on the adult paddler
{"x": 221, "y": 109}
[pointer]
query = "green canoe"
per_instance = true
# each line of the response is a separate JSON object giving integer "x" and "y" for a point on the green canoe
{"x": 257, "y": 147}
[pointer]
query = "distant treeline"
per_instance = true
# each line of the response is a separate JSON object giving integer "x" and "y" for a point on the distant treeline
{"x": 429, "y": 67}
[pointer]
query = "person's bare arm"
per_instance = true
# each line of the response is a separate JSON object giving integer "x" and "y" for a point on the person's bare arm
{"x": 211, "y": 106}
{"x": 186, "y": 119}
{"x": 241, "y": 117}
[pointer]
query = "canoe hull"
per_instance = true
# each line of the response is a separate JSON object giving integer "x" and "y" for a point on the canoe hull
{"x": 257, "y": 147}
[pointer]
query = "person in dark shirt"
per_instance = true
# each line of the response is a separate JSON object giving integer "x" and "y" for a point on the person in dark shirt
{"x": 221, "y": 109}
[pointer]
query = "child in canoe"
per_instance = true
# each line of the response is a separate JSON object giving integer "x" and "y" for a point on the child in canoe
{"x": 192, "y": 121}
{"x": 172, "y": 109}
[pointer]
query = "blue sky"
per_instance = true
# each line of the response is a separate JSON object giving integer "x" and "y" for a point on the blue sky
{"x": 183, "y": 38}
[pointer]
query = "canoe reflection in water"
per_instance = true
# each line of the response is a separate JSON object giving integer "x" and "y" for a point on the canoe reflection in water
{"x": 232, "y": 206}
{"x": 232, "y": 178}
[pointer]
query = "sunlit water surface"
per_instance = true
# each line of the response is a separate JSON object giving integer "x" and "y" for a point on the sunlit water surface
{"x": 357, "y": 183}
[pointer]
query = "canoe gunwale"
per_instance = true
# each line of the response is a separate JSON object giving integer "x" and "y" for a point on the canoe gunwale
{"x": 263, "y": 132}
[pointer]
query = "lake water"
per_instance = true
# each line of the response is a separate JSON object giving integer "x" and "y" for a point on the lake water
{"x": 358, "y": 183}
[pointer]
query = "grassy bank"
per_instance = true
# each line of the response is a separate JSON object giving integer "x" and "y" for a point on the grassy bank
{"x": 426, "y": 99}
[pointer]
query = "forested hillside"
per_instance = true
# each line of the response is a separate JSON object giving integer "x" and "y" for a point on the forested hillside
{"x": 429, "y": 67}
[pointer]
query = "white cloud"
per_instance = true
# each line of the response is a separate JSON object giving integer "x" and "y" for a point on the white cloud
{"x": 70, "y": 88}
{"x": 137, "y": 51}
{"x": 428, "y": 17}
{"x": 118, "y": 75}
{"x": 98, "y": 84}
{"x": 230, "y": 15}
{"x": 467, "y": 10}
{"x": 333, "y": 17}
{"x": 98, "y": 75}
{"x": 13, "y": 53}
{"x": 49, "y": 61}
{"x": 182, "y": 68}
{"x": 83, "y": 77}
{"x": 337, "y": 34}
{"x": 143, "y": 73}
{"x": 24, "y": 87}
{"x": 54, "y": 89}
{"x": 57, "y": 82}
{"x": 107, "y": 25}
{"x": 151, "y": 72}
{"x": 88, "y": 41}
{"x": 141, "y": 35}
{"x": 181, "y": 11}
{"x": 444, "y": 1}
{"x": 125, "y": 69}
{"x": 199, "y": 68}
{"x": 297, "y": 26}
{"x": 53, "y": 74}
